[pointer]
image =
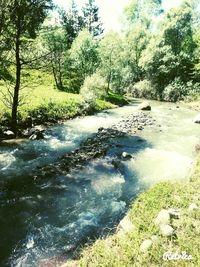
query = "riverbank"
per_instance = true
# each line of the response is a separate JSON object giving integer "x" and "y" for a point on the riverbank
{"x": 45, "y": 105}
{"x": 140, "y": 241}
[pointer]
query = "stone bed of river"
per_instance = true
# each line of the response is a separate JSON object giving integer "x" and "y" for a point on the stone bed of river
{"x": 57, "y": 194}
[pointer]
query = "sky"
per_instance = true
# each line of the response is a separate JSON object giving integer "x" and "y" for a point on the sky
{"x": 110, "y": 11}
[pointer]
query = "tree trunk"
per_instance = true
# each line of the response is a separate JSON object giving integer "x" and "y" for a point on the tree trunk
{"x": 60, "y": 76}
{"x": 17, "y": 83}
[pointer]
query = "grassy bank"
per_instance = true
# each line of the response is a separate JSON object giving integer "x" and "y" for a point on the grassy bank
{"x": 124, "y": 249}
{"x": 44, "y": 103}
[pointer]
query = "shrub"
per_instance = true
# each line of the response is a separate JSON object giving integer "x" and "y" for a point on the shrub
{"x": 178, "y": 90}
{"x": 94, "y": 87}
{"x": 143, "y": 89}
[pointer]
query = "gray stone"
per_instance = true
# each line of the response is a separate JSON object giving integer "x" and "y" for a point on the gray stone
{"x": 174, "y": 213}
{"x": 163, "y": 217}
{"x": 125, "y": 225}
{"x": 166, "y": 230}
{"x": 126, "y": 156}
{"x": 144, "y": 106}
{"x": 193, "y": 207}
{"x": 197, "y": 119}
{"x": 9, "y": 134}
{"x": 37, "y": 136}
{"x": 146, "y": 245}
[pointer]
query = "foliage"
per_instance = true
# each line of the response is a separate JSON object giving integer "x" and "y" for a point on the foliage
{"x": 94, "y": 87}
{"x": 54, "y": 39}
{"x": 116, "y": 99}
{"x": 110, "y": 50}
{"x": 143, "y": 89}
{"x": 23, "y": 21}
{"x": 84, "y": 55}
{"x": 175, "y": 91}
{"x": 170, "y": 54}
{"x": 143, "y": 11}
{"x": 72, "y": 23}
{"x": 91, "y": 18}
{"x": 45, "y": 104}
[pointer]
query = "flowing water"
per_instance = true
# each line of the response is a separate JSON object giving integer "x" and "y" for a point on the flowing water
{"x": 55, "y": 215}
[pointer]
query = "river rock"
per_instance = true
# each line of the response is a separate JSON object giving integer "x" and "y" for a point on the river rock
{"x": 126, "y": 156}
{"x": 163, "y": 217}
{"x": 144, "y": 106}
{"x": 146, "y": 245}
{"x": 125, "y": 225}
{"x": 193, "y": 207}
{"x": 174, "y": 213}
{"x": 9, "y": 134}
{"x": 37, "y": 136}
{"x": 197, "y": 119}
{"x": 166, "y": 230}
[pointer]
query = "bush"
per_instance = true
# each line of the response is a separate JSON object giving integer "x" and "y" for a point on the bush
{"x": 143, "y": 89}
{"x": 178, "y": 90}
{"x": 94, "y": 87}
{"x": 175, "y": 91}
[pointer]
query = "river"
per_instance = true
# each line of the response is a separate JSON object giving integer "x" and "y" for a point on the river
{"x": 55, "y": 216}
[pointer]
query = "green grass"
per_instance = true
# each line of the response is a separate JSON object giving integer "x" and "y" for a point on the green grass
{"x": 124, "y": 250}
{"x": 116, "y": 99}
{"x": 41, "y": 98}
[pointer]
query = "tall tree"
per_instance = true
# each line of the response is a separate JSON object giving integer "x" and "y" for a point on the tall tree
{"x": 171, "y": 54}
{"x": 110, "y": 51}
{"x": 72, "y": 23}
{"x": 4, "y": 44}
{"x": 143, "y": 11}
{"x": 92, "y": 19}
{"x": 25, "y": 18}
{"x": 56, "y": 45}
{"x": 84, "y": 55}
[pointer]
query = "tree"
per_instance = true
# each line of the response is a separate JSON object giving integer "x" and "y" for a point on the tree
{"x": 24, "y": 19}
{"x": 84, "y": 55}
{"x": 4, "y": 45}
{"x": 143, "y": 11}
{"x": 137, "y": 39}
{"x": 110, "y": 51}
{"x": 57, "y": 47}
{"x": 72, "y": 23}
{"x": 91, "y": 18}
{"x": 171, "y": 54}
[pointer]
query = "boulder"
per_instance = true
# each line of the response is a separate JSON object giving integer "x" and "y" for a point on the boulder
{"x": 126, "y": 156}
{"x": 9, "y": 134}
{"x": 197, "y": 119}
{"x": 37, "y": 136}
{"x": 144, "y": 106}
